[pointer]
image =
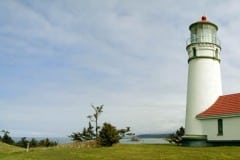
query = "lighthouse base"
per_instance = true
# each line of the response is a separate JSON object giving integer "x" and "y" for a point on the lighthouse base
{"x": 201, "y": 141}
{"x": 195, "y": 141}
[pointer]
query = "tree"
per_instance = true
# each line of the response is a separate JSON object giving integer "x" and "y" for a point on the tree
{"x": 87, "y": 134}
{"x": 177, "y": 137}
{"x": 97, "y": 111}
{"x": 6, "y": 138}
{"x": 108, "y": 135}
{"x": 47, "y": 143}
{"x": 23, "y": 142}
{"x": 77, "y": 136}
{"x": 33, "y": 142}
{"x": 122, "y": 132}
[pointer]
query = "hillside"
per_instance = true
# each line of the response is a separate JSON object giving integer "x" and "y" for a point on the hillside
{"x": 6, "y": 149}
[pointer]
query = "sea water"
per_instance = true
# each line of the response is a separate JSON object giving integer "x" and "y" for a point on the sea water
{"x": 145, "y": 141}
{"x": 63, "y": 140}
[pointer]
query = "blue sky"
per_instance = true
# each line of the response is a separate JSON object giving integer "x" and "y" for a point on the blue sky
{"x": 59, "y": 57}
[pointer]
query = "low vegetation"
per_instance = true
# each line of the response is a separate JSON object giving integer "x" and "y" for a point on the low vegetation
{"x": 108, "y": 134}
{"x": 24, "y": 142}
{"x": 79, "y": 151}
{"x": 177, "y": 137}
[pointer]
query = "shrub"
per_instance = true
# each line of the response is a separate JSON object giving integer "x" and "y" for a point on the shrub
{"x": 177, "y": 137}
{"x": 108, "y": 135}
{"x": 6, "y": 137}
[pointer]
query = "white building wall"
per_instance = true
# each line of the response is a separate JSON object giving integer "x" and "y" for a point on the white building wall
{"x": 231, "y": 128}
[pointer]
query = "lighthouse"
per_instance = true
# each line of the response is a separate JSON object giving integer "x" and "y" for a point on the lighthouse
{"x": 204, "y": 76}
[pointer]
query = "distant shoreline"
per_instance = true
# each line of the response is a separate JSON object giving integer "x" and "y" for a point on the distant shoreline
{"x": 59, "y": 140}
{"x": 153, "y": 135}
{"x": 64, "y": 140}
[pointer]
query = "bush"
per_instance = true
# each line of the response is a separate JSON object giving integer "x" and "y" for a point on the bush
{"x": 33, "y": 142}
{"x": 46, "y": 143}
{"x": 177, "y": 137}
{"x": 6, "y": 138}
{"x": 85, "y": 135}
{"x": 23, "y": 142}
{"x": 108, "y": 135}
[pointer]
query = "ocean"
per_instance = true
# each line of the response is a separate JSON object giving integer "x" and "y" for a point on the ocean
{"x": 64, "y": 140}
{"x": 145, "y": 141}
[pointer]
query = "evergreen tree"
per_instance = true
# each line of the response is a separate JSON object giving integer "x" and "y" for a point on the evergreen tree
{"x": 88, "y": 133}
{"x": 177, "y": 137}
{"x": 108, "y": 135}
{"x": 23, "y": 142}
{"x": 122, "y": 132}
{"x": 97, "y": 111}
{"x": 6, "y": 138}
{"x": 47, "y": 143}
{"x": 77, "y": 136}
{"x": 33, "y": 142}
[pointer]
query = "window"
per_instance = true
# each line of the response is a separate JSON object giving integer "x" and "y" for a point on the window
{"x": 216, "y": 53}
{"x": 220, "y": 127}
{"x": 194, "y": 52}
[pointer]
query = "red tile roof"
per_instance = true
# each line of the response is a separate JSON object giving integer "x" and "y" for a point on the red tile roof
{"x": 227, "y": 105}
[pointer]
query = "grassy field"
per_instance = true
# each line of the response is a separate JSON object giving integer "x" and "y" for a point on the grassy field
{"x": 121, "y": 152}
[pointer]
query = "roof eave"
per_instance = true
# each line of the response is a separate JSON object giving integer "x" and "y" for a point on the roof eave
{"x": 218, "y": 116}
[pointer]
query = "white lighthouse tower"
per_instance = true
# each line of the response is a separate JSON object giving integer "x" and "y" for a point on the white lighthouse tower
{"x": 204, "y": 75}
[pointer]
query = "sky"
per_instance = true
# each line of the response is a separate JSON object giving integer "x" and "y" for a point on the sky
{"x": 57, "y": 58}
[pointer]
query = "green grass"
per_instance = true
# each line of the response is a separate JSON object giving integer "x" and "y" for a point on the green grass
{"x": 121, "y": 152}
{"x": 6, "y": 150}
